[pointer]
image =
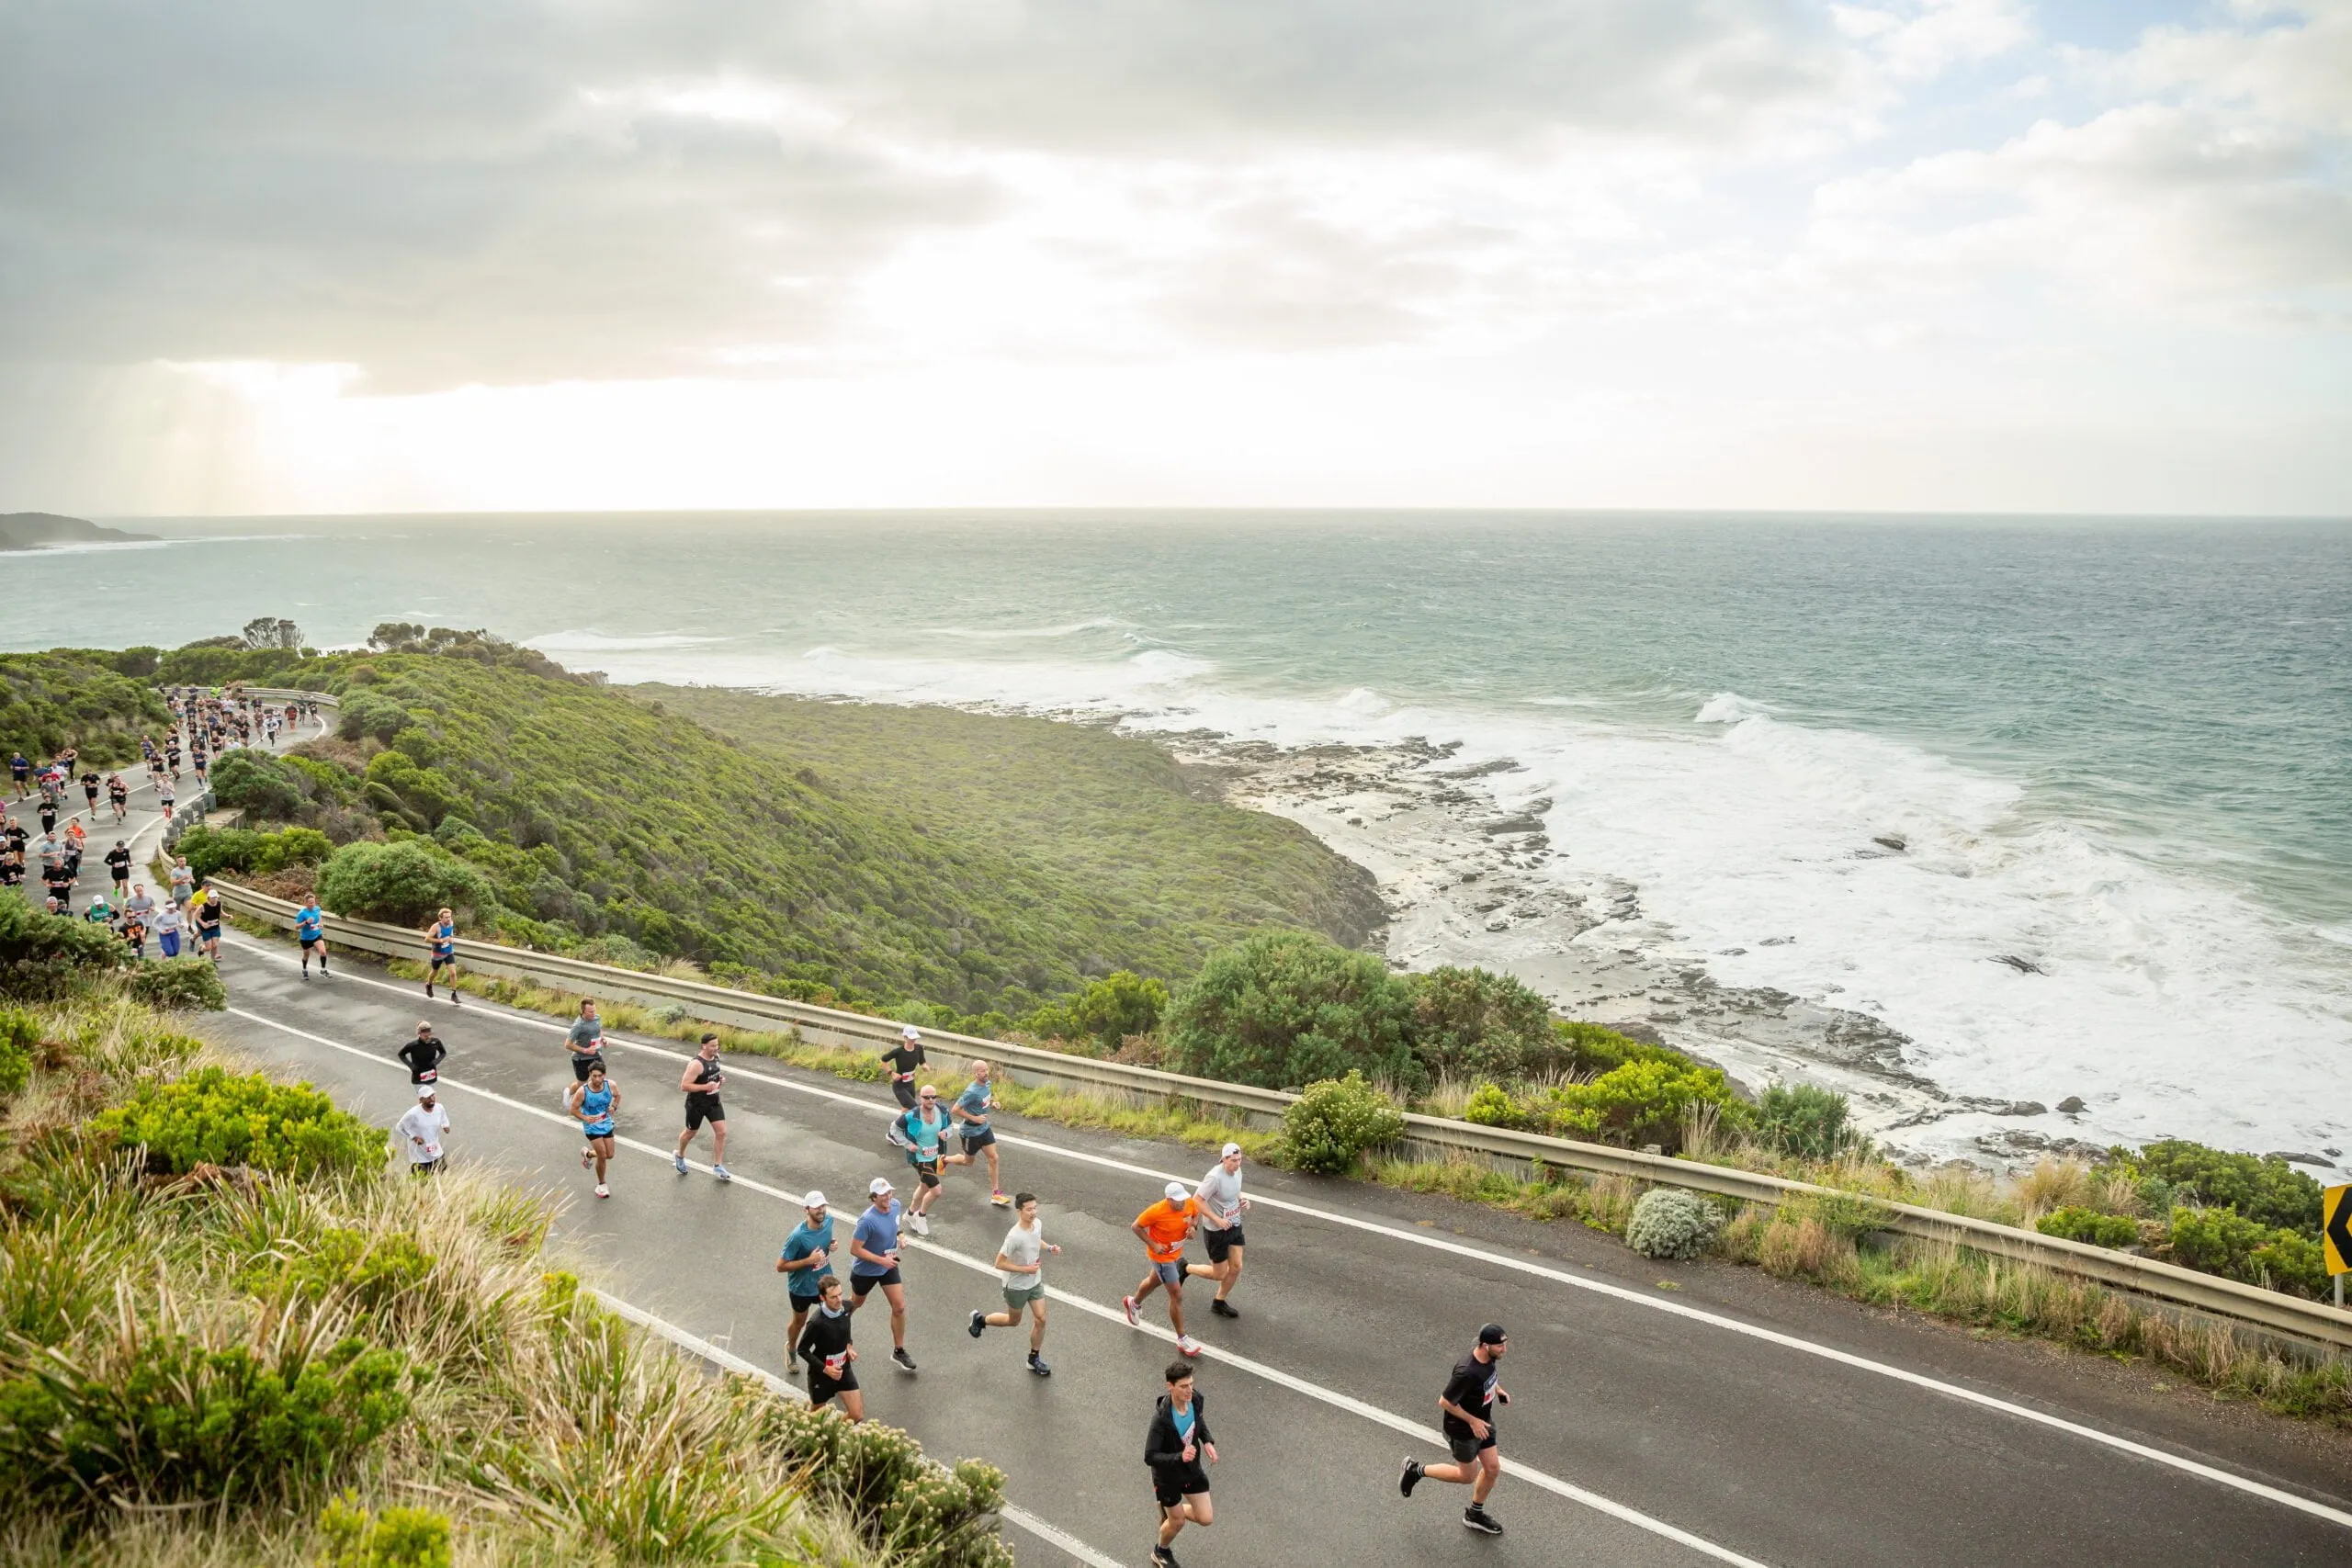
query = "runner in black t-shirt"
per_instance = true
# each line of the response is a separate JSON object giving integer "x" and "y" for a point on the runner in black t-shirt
{"x": 1467, "y": 1406}
{"x": 904, "y": 1058}
{"x": 119, "y": 866}
{"x": 824, "y": 1348}
{"x": 423, "y": 1055}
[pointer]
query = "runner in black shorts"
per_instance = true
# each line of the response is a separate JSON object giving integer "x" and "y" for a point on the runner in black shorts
{"x": 699, "y": 1083}
{"x": 824, "y": 1348}
{"x": 585, "y": 1041}
{"x": 423, "y": 1055}
{"x": 1467, "y": 1406}
{"x": 904, "y": 1058}
{"x": 1179, "y": 1440}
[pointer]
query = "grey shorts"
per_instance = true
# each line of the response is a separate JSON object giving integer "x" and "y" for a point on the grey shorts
{"x": 1019, "y": 1296}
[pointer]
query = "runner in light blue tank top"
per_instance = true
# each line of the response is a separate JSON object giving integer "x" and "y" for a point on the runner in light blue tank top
{"x": 594, "y": 1101}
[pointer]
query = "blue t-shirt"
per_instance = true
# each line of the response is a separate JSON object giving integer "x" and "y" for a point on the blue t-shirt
{"x": 925, "y": 1135}
{"x": 307, "y": 924}
{"x": 975, "y": 1103}
{"x": 805, "y": 1239}
{"x": 877, "y": 1232}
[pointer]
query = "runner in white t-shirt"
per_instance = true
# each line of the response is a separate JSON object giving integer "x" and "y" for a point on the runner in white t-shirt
{"x": 421, "y": 1132}
{"x": 1221, "y": 1205}
{"x": 1020, "y": 1264}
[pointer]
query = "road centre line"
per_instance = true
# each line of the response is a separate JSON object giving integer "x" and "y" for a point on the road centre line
{"x": 1299, "y": 1385}
{"x": 1600, "y": 1287}
{"x": 727, "y": 1360}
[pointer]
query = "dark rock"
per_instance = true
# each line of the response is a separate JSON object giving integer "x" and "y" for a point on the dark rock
{"x": 1513, "y": 825}
{"x": 2022, "y": 965}
{"x": 2292, "y": 1158}
{"x": 1892, "y": 841}
{"x": 2023, "y": 1107}
{"x": 2071, "y": 1106}
{"x": 1778, "y": 941}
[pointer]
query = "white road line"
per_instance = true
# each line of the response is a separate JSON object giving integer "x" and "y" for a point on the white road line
{"x": 1558, "y": 1276}
{"x": 694, "y": 1345}
{"x": 1593, "y": 1500}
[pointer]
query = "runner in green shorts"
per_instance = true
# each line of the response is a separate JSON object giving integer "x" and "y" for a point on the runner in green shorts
{"x": 1020, "y": 1261}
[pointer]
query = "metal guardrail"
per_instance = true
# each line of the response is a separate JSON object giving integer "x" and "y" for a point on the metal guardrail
{"x": 2311, "y": 1322}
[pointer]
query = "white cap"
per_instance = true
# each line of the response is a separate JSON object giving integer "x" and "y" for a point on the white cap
{"x": 911, "y": 1033}
{"x": 1178, "y": 1192}
{"x": 879, "y": 1185}
{"x": 1228, "y": 1151}
{"x": 425, "y": 1092}
{"x": 815, "y": 1200}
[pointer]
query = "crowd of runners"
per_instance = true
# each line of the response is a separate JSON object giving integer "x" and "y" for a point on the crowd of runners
{"x": 834, "y": 1266}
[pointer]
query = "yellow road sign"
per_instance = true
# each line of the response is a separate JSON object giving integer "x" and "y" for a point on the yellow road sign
{"x": 2335, "y": 1228}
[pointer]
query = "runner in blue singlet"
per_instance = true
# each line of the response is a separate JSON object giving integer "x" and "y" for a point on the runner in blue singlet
{"x": 441, "y": 939}
{"x": 593, "y": 1102}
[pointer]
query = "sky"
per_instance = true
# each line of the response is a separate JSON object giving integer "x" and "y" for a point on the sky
{"x": 308, "y": 256}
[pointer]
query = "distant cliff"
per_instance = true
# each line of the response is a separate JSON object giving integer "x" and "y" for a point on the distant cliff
{"x": 30, "y": 530}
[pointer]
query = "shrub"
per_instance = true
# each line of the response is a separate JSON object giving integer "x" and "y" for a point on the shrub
{"x": 2223, "y": 1241}
{"x": 1107, "y": 1012}
{"x": 41, "y": 953}
{"x": 1491, "y": 1106}
{"x": 909, "y": 1506}
{"x": 402, "y": 884}
{"x": 2075, "y": 1224}
{"x": 1470, "y": 1024}
{"x": 397, "y": 1538}
{"x": 214, "y": 1117}
{"x": 159, "y": 1417}
{"x": 345, "y": 1261}
{"x": 1332, "y": 1125}
{"x": 213, "y": 850}
{"x": 19, "y": 1036}
{"x": 1803, "y": 1120}
{"x": 366, "y": 713}
{"x": 1644, "y": 1101}
{"x": 2266, "y": 1191}
{"x": 190, "y": 983}
{"x": 1288, "y": 1008}
{"x": 1671, "y": 1223}
{"x": 267, "y": 788}
{"x": 1596, "y": 1049}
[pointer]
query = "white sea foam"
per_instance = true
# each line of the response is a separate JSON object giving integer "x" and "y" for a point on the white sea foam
{"x": 582, "y": 640}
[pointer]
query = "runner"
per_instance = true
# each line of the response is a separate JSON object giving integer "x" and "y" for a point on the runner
{"x": 971, "y": 1108}
{"x": 1220, "y": 1205}
{"x": 904, "y": 1058}
{"x": 1467, "y": 1406}
{"x": 20, "y": 771}
{"x": 442, "y": 934}
{"x": 59, "y": 881}
{"x": 134, "y": 932}
{"x": 1164, "y": 1228}
{"x": 1179, "y": 1440}
{"x": 48, "y": 810}
{"x": 119, "y": 866}
{"x": 206, "y": 928}
{"x": 423, "y": 1055}
{"x": 169, "y": 923}
{"x": 809, "y": 1260}
{"x": 164, "y": 796}
{"x": 593, "y": 1100}
{"x": 699, "y": 1083}
{"x": 585, "y": 1041}
{"x": 923, "y": 1132}
{"x": 311, "y": 933}
{"x": 824, "y": 1347}
{"x": 1020, "y": 1262}
{"x": 90, "y": 793}
{"x": 183, "y": 880}
{"x": 118, "y": 795}
{"x": 422, "y": 1129}
{"x": 873, "y": 1261}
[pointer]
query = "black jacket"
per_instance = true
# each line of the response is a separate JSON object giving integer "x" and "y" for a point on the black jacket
{"x": 822, "y": 1337}
{"x": 422, "y": 1056}
{"x": 1162, "y": 1448}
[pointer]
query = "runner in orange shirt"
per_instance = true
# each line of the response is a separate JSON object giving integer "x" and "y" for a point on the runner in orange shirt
{"x": 1164, "y": 1228}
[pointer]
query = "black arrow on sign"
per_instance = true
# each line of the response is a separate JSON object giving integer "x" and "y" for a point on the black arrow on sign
{"x": 2339, "y": 1227}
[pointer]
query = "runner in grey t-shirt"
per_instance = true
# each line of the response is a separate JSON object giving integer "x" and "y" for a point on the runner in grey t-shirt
{"x": 1020, "y": 1263}
{"x": 1221, "y": 1206}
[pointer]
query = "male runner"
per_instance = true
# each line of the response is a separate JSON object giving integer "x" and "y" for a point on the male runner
{"x": 119, "y": 867}
{"x": 593, "y": 1102}
{"x": 699, "y": 1083}
{"x": 1021, "y": 1263}
{"x": 924, "y": 1132}
{"x": 422, "y": 1131}
{"x": 824, "y": 1347}
{"x": 118, "y": 795}
{"x": 873, "y": 1261}
{"x": 809, "y": 1260}
{"x": 90, "y": 793}
{"x": 20, "y": 770}
{"x": 183, "y": 880}
{"x": 1221, "y": 1205}
{"x": 1163, "y": 1229}
{"x": 904, "y": 1058}
{"x": 139, "y": 905}
{"x": 442, "y": 937}
{"x": 1175, "y": 1446}
{"x": 423, "y": 1055}
{"x": 1467, "y": 1406}
{"x": 311, "y": 933}
{"x": 208, "y": 926}
{"x": 584, "y": 1041}
{"x": 971, "y": 1112}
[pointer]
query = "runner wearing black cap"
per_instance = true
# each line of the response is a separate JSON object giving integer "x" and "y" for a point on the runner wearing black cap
{"x": 1467, "y": 1406}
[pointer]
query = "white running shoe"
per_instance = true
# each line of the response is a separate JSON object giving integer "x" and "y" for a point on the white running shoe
{"x": 1186, "y": 1343}
{"x": 602, "y": 1190}
{"x": 1129, "y": 1303}
{"x": 922, "y": 1225}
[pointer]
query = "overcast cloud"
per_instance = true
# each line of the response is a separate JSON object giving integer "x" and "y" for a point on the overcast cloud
{"x": 1910, "y": 253}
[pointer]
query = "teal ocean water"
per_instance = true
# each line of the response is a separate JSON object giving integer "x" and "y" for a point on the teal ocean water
{"x": 2121, "y": 749}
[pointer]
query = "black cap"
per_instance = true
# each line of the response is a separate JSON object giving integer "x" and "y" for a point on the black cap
{"x": 1491, "y": 1335}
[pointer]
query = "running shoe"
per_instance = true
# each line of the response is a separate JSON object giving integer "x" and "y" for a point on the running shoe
{"x": 587, "y": 1158}
{"x": 922, "y": 1226}
{"x": 722, "y": 1172}
{"x": 1163, "y": 1557}
{"x": 1222, "y": 1307}
{"x": 1039, "y": 1365}
{"x": 1000, "y": 1199}
{"x": 906, "y": 1363}
{"x": 602, "y": 1190}
{"x": 979, "y": 1324}
{"x": 1411, "y": 1478}
{"x": 1129, "y": 1303}
{"x": 453, "y": 996}
{"x": 679, "y": 1161}
{"x": 1477, "y": 1517}
{"x": 1186, "y": 1343}
{"x": 428, "y": 989}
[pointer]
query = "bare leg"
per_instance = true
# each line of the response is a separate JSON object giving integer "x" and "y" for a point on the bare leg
{"x": 897, "y": 1296}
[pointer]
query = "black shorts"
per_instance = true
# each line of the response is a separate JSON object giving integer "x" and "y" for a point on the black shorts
{"x": 1467, "y": 1449}
{"x": 822, "y": 1388}
{"x": 905, "y": 1090}
{"x": 430, "y": 1075}
{"x": 1219, "y": 1243}
{"x": 974, "y": 1142}
{"x": 1172, "y": 1485}
{"x": 582, "y": 1065}
{"x": 926, "y": 1171}
{"x": 702, "y": 1108}
{"x": 862, "y": 1285}
{"x": 440, "y": 960}
{"x": 427, "y": 1168}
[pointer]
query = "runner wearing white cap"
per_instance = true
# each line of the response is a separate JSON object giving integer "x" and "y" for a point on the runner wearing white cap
{"x": 809, "y": 1260}
{"x": 1164, "y": 1228}
{"x": 421, "y": 1131}
{"x": 874, "y": 1262}
{"x": 1221, "y": 1205}
{"x": 905, "y": 1059}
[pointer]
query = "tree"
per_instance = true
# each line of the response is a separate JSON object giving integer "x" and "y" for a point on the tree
{"x": 270, "y": 631}
{"x": 401, "y": 884}
{"x": 1468, "y": 1023}
{"x": 267, "y": 788}
{"x": 1287, "y": 1007}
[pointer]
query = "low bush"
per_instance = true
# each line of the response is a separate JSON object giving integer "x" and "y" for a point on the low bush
{"x": 211, "y": 852}
{"x": 215, "y": 1117}
{"x": 2077, "y": 1223}
{"x": 1671, "y": 1223}
{"x": 1649, "y": 1100}
{"x": 1287, "y": 1007}
{"x": 371, "y": 1272}
{"x": 42, "y": 953}
{"x": 267, "y": 788}
{"x": 397, "y": 1538}
{"x": 1802, "y": 1121}
{"x": 19, "y": 1037}
{"x": 1468, "y": 1023}
{"x": 1105, "y": 1012}
{"x": 1328, "y": 1128}
{"x": 2224, "y": 1242}
{"x": 402, "y": 883}
{"x": 178, "y": 985}
{"x": 2265, "y": 1189}
{"x": 916, "y": 1509}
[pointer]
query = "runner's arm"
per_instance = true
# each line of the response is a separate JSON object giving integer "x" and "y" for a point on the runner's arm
{"x": 687, "y": 1078}
{"x": 1010, "y": 1267}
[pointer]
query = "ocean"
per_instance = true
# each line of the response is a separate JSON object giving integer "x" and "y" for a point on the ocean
{"x": 2118, "y": 750}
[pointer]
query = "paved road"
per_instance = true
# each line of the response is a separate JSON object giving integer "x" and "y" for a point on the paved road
{"x": 1730, "y": 1420}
